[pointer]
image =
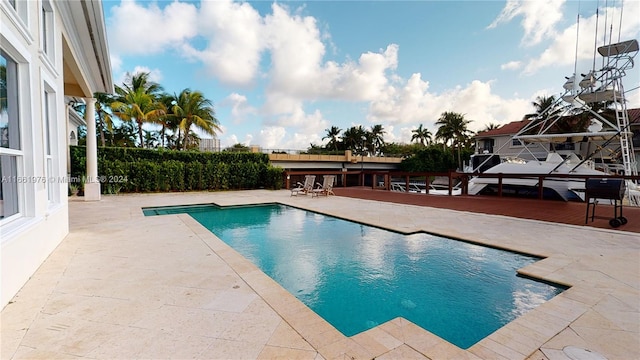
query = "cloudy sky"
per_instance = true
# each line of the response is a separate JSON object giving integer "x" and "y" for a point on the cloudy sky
{"x": 281, "y": 73}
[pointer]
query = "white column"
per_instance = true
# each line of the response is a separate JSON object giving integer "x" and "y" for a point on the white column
{"x": 92, "y": 184}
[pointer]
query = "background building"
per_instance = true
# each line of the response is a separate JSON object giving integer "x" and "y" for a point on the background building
{"x": 211, "y": 145}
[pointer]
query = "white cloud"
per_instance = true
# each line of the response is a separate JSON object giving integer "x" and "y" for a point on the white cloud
{"x": 511, "y": 65}
{"x": 234, "y": 36}
{"x": 272, "y": 136}
{"x": 411, "y": 103}
{"x": 155, "y": 75}
{"x": 116, "y": 63}
{"x": 240, "y": 107}
{"x": 539, "y": 18}
{"x": 140, "y": 30}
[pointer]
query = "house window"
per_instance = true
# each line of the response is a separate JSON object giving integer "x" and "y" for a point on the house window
{"x": 50, "y": 173}
{"x": 47, "y": 29}
{"x": 636, "y": 138}
{"x": 21, "y": 8}
{"x": 10, "y": 149}
{"x": 516, "y": 142}
{"x": 487, "y": 147}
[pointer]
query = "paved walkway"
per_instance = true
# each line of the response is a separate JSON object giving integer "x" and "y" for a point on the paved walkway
{"x": 124, "y": 286}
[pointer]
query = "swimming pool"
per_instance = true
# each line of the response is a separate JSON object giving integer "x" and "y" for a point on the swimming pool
{"x": 357, "y": 276}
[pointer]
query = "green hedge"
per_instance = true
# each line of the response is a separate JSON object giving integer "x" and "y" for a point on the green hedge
{"x": 150, "y": 170}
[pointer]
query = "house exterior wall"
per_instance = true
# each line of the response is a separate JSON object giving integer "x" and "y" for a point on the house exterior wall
{"x": 36, "y": 226}
{"x": 34, "y": 215}
{"x": 504, "y": 146}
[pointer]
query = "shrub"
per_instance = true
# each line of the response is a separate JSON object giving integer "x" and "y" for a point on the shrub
{"x": 151, "y": 170}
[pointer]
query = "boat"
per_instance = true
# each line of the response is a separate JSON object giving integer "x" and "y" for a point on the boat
{"x": 599, "y": 96}
{"x": 562, "y": 187}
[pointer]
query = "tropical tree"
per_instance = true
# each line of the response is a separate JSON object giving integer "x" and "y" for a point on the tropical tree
{"x": 491, "y": 126}
{"x": 3, "y": 87}
{"x": 453, "y": 127}
{"x": 151, "y": 138}
{"x": 546, "y": 107}
{"x": 192, "y": 109}
{"x": 124, "y": 135}
{"x": 166, "y": 120}
{"x": 376, "y": 139}
{"x": 355, "y": 139}
{"x": 421, "y": 135}
{"x": 192, "y": 141}
{"x": 238, "y": 148}
{"x": 332, "y": 135}
{"x": 137, "y": 101}
{"x": 103, "y": 117}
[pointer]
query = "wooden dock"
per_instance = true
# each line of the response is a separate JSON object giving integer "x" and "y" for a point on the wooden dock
{"x": 545, "y": 210}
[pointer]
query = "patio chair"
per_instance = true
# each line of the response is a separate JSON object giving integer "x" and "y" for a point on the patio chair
{"x": 304, "y": 188}
{"x": 326, "y": 188}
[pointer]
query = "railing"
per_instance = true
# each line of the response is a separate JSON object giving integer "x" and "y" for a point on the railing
{"x": 543, "y": 177}
{"x": 382, "y": 180}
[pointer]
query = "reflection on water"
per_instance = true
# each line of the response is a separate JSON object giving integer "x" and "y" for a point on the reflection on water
{"x": 357, "y": 276}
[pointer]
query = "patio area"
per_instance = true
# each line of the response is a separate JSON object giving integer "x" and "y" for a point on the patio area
{"x": 122, "y": 286}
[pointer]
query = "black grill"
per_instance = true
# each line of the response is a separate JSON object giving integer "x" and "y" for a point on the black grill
{"x": 608, "y": 189}
{"x": 612, "y": 189}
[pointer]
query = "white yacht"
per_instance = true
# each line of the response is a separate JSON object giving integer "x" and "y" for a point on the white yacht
{"x": 599, "y": 93}
{"x": 563, "y": 188}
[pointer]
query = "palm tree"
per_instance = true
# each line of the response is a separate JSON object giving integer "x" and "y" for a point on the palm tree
{"x": 355, "y": 139}
{"x": 453, "y": 127}
{"x": 545, "y": 107}
{"x": 124, "y": 135}
{"x": 191, "y": 108}
{"x": 332, "y": 135}
{"x": 167, "y": 121}
{"x": 421, "y": 135}
{"x": 3, "y": 87}
{"x": 102, "y": 116}
{"x": 376, "y": 138}
{"x": 192, "y": 141}
{"x": 490, "y": 126}
{"x": 150, "y": 138}
{"x": 137, "y": 101}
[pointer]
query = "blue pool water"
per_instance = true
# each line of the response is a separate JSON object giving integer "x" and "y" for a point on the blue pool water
{"x": 356, "y": 276}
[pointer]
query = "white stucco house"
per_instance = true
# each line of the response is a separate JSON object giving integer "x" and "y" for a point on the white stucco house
{"x": 50, "y": 51}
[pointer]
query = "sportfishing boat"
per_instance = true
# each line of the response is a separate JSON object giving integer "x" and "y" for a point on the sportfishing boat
{"x": 599, "y": 98}
{"x": 562, "y": 187}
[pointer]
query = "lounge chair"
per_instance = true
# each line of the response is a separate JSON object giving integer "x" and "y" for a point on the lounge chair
{"x": 326, "y": 188}
{"x": 304, "y": 188}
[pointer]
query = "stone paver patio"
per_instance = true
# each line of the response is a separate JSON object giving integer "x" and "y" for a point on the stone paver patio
{"x": 122, "y": 285}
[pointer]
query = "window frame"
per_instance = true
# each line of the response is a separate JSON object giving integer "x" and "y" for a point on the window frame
{"x": 14, "y": 151}
{"x": 50, "y": 144}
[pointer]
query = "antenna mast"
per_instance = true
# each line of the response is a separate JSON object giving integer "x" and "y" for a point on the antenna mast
{"x": 620, "y": 26}
{"x": 575, "y": 61}
{"x": 595, "y": 38}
